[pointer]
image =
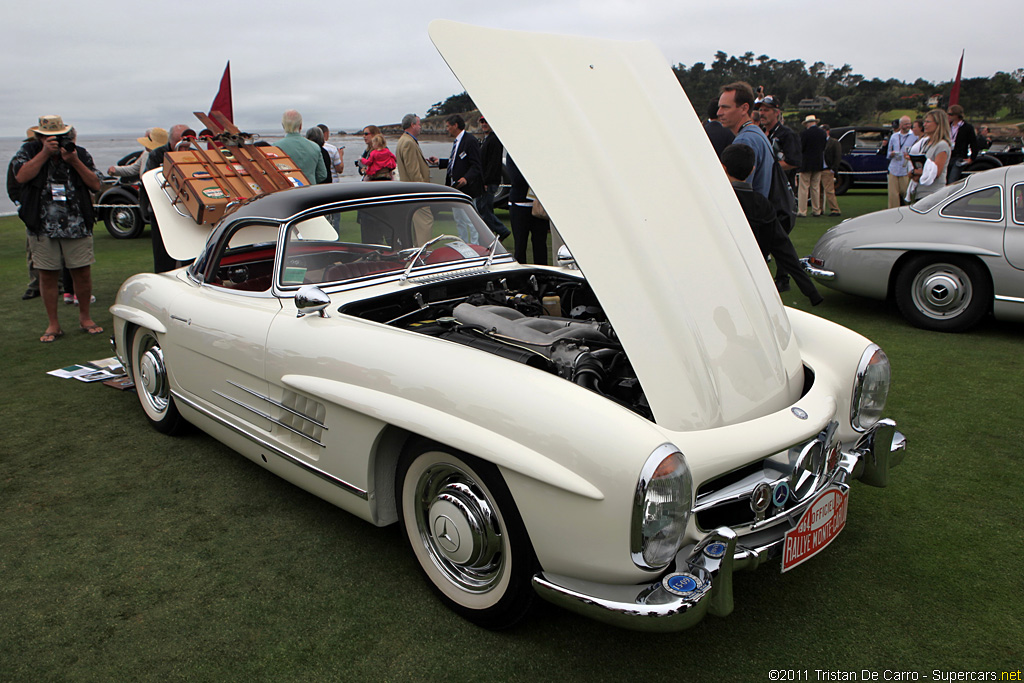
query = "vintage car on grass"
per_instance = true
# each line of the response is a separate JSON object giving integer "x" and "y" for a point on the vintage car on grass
{"x": 947, "y": 260}
{"x": 864, "y": 162}
{"x": 617, "y": 434}
{"x": 1001, "y": 153}
{"x": 117, "y": 203}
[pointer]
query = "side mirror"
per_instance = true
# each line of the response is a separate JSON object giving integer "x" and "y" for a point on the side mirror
{"x": 565, "y": 259}
{"x": 311, "y": 299}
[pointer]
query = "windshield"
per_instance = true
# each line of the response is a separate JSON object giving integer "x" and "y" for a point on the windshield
{"x": 371, "y": 240}
{"x": 927, "y": 203}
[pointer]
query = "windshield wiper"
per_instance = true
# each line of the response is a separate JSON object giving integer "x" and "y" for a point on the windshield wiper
{"x": 419, "y": 253}
{"x": 491, "y": 251}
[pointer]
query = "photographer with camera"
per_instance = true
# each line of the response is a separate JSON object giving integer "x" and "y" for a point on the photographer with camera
{"x": 55, "y": 177}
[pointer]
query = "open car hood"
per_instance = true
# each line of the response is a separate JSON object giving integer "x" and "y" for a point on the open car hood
{"x": 611, "y": 146}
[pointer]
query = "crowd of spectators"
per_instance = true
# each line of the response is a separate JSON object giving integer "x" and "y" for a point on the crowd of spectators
{"x": 51, "y": 178}
{"x": 923, "y": 156}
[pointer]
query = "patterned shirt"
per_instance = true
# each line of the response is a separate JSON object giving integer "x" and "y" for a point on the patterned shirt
{"x": 60, "y": 193}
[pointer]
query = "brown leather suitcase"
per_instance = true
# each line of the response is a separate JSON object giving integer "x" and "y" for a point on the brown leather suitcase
{"x": 207, "y": 183}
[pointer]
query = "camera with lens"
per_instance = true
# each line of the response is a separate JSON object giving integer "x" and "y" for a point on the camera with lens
{"x": 66, "y": 143}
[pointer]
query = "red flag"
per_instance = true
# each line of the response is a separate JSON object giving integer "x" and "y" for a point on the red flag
{"x": 954, "y": 94}
{"x": 222, "y": 102}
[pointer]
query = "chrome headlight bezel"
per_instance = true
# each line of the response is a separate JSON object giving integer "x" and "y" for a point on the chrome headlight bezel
{"x": 870, "y": 388}
{"x": 662, "y": 505}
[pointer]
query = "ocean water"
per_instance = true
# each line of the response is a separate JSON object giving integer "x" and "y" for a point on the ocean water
{"x": 107, "y": 150}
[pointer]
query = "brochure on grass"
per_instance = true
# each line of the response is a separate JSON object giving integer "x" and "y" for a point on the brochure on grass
{"x": 93, "y": 371}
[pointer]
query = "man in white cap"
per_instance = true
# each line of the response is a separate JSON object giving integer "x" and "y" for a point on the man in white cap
{"x": 55, "y": 177}
{"x": 154, "y": 137}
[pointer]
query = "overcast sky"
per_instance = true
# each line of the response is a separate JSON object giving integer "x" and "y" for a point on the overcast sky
{"x": 114, "y": 67}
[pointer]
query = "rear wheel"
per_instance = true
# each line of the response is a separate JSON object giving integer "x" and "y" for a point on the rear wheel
{"x": 943, "y": 292}
{"x": 149, "y": 372}
{"x": 466, "y": 534}
{"x": 845, "y": 180}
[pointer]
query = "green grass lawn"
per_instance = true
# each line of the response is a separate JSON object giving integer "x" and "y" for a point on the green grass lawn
{"x": 128, "y": 555}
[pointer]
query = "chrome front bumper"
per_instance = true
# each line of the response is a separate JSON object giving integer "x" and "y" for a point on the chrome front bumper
{"x": 702, "y": 580}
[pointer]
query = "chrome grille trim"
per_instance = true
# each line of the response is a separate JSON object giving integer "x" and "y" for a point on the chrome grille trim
{"x": 448, "y": 275}
{"x": 280, "y": 405}
{"x": 795, "y": 473}
{"x": 260, "y": 441}
{"x": 260, "y": 413}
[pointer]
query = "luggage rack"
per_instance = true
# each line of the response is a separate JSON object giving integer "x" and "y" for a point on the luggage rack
{"x": 210, "y": 183}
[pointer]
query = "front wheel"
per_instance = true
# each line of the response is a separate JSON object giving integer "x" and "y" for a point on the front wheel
{"x": 123, "y": 220}
{"x": 943, "y": 292}
{"x": 152, "y": 384}
{"x": 466, "y": 534}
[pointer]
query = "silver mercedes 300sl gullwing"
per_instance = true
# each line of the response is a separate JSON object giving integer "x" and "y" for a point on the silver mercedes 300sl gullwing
{"x": 948, "y": 260}
{"x": 617, "y": 434}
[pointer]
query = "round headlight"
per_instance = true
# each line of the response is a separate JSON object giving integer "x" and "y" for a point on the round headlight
{"x": 870, "y": 389}
{"x": 661, "y": 509}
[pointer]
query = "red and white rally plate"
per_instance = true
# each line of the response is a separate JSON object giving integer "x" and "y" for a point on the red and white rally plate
{"x": 819, "y": 525}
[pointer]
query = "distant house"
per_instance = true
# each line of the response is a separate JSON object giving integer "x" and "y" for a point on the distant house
{"x": 820, "y": 103}
{"x": 934, "y": 100}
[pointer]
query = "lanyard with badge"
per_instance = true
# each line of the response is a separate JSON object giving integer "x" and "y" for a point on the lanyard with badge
{"x": 59, "y": 183}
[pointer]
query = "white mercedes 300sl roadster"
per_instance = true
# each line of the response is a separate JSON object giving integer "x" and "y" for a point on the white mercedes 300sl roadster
{"x": 617, "y": 434}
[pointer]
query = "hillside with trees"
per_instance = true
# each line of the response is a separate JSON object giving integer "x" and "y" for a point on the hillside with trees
{"x": 857, "y": 99}
{"x": 854, "y": 99}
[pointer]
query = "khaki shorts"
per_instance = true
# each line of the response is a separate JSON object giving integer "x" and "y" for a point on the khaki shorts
{"x": 55, "y": 254}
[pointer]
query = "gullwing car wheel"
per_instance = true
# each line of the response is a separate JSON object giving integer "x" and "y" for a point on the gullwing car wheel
{"x": 466, "y": 534}
{"x": 943, "y": 292}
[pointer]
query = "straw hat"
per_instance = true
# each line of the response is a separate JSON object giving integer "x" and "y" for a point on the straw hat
{"x": 51, "y": 125}
{"x": 155, "y": 137}
{"x": 811, "y": 118}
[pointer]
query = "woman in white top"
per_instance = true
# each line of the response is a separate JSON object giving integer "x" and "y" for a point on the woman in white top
{"x": 936, "y": 148}
{"x": 917, "y": 128}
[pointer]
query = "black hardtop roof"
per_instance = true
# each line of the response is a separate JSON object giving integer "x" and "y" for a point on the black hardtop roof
{"x": 287, "y": 203}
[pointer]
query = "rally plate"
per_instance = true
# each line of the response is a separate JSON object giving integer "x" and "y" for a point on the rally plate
{"x": 818, "y": 527}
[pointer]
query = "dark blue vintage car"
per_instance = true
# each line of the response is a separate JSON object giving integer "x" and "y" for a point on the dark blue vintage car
{"x": 864, "y": 162}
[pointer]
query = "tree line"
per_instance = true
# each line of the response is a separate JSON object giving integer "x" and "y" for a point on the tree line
{"x": 857, "y": 99}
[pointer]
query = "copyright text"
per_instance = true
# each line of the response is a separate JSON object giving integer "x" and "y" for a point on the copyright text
{"x": 890, "y": 675}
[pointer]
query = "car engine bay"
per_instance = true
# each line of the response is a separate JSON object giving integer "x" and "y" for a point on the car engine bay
{"x": 546, "y": 320}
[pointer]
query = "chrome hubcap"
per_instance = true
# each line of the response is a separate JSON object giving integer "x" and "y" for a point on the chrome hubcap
{"x": 123, "y": 219}
{"x": 459, "y": 528}
{"x": 153, "y": 377}
{"x": 941, "y": 291}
